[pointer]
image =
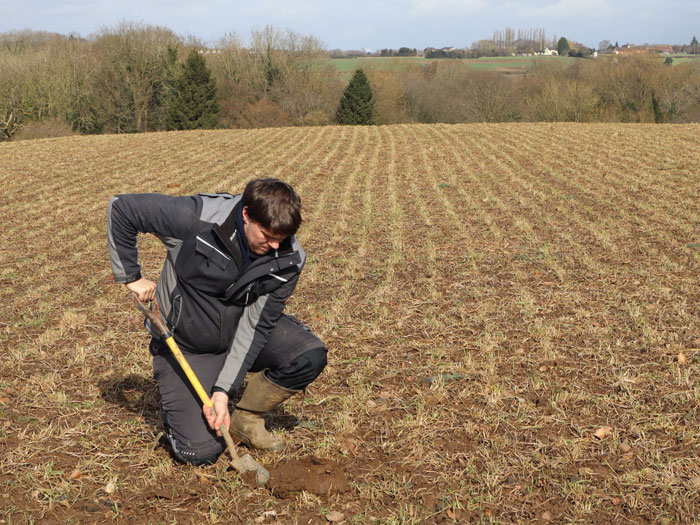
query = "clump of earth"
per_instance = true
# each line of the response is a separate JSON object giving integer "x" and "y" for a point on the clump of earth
{"x": 320, "y": 476}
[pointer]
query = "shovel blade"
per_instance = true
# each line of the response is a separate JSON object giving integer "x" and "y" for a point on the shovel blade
{"x": 246, "y": 463}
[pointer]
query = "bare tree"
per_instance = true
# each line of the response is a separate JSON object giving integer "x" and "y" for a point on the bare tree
{"x": 133, "y": 60}
{"x": 8, "y": 127}
{"x": 560, "y": 94}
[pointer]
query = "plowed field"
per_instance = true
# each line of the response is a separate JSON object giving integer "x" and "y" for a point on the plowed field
{"x": 512, "y": 313}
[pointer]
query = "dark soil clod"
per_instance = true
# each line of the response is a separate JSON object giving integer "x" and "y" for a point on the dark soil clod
{"x": 320, "y": 476}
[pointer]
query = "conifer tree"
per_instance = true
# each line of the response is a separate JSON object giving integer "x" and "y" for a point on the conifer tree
{"x": 193, "y": 104}
{"x": 563, "y": 46}
{"x": 357, "y": 103}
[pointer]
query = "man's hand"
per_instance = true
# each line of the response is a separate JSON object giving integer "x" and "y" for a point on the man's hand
{"x": 220, "y": 401}
{"x": 144, "y": 289}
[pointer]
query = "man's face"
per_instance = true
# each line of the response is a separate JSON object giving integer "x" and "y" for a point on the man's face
{"x": 260, "y": 240}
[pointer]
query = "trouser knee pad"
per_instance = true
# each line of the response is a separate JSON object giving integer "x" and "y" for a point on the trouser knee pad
{"x": 300, "y": 372}
{"x": 193, "y": 453}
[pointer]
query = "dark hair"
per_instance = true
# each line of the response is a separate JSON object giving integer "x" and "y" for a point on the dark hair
{"x": 274, "y": 205}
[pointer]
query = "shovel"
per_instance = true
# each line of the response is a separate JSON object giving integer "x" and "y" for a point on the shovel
{"x": 242, "y": 464}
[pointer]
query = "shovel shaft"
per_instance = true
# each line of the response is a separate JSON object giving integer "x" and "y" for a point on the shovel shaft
{"x": 200, "y": 391}
{"x": 170, "y": 341}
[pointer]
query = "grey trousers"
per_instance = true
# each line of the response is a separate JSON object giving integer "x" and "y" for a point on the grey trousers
{"x": 293, "y": 356}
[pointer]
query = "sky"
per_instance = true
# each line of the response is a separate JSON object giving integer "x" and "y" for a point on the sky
{"x": 372, "y": 24}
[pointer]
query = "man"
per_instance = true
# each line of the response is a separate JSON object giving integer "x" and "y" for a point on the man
{"x": 231, "y": 266}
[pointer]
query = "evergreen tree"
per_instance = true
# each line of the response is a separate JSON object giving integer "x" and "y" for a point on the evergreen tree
{"x": 694, "y": 48}
{"x": 357, "y": 103}
{"x": 193, "y": 104}
{"x": 658, "y": 114}
{"x": 164, "y": 92}
{"x": 563, "y": 46}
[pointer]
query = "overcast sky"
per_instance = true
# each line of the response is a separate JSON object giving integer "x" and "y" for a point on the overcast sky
{"x": 373, "y": 24}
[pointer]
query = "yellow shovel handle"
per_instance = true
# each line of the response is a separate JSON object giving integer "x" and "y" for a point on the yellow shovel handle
{"x": 200, "y": 391}
{"x": 189, "y": 372}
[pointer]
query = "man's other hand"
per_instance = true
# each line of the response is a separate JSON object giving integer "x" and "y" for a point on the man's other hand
{"x": 220, "y": 401}
{"x": 144, "y": 289}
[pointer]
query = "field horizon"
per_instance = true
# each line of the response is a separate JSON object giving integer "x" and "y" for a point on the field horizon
{"x": 512, "y": 313}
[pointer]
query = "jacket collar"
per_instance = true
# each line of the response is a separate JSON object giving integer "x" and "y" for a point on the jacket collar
{"x": 227, "y": 231}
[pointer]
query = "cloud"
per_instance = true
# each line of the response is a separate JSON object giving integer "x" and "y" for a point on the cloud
{"x": 283, "y": 9}
{"x": 49, "y": 8}
{"x": 126, "y": 9}
{"x": 563, "y": 9}
{"x": 442, "y": 8}
{"x": 371, "y": 23}
{"x": 358, "y": 33}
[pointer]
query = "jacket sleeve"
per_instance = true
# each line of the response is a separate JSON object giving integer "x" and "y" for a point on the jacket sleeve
{"x": 131, "y": 214}
{"x": 254, "y": 327}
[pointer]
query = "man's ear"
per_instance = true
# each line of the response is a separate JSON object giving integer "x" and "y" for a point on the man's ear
{"x": 246, "y": 220}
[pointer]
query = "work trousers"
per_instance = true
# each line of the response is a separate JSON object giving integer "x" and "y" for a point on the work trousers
{"x": 292, "y": 357}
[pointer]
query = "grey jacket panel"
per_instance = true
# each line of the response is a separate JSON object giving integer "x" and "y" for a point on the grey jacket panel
{"x": 254, "y": 327}
{"x": 120, "y": 275}
{"x": 168, "y": 279}
{"x": 166, "y": 283}
{"x": 297, "y": 248}
{"x": 216, "y": 207}
{"x": 233, "y": 368}
{"x": 171, "y": 243}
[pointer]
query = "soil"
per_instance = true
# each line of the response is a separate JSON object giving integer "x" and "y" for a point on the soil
{"x": 490, "y": 296}
{"x": 320, "y": 476}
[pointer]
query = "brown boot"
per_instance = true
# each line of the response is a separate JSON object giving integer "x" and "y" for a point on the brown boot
{"x": 247, "y": 422}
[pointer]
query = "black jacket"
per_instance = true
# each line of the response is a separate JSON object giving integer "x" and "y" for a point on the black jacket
{"x": 211, "y": 306}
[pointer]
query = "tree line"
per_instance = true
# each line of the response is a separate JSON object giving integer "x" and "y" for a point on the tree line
{"x": 133, "y": 78}
{"x": 123, "y": 79}
{"x": 614, "y": 89}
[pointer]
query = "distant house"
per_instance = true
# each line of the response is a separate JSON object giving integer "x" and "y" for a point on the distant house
{"x": 664, "y": 48}
{"x": 443, "y": 52}
{"x": 627, "y": 49}
{"x": 632, "y": 49}
{"x": 549, "y": 52}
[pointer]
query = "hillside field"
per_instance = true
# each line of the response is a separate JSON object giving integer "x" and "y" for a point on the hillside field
{"x": 518, "y": 64}
{"x": 512, "y": 313}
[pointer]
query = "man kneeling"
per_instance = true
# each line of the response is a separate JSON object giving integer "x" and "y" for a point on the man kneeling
{"x": 232, "y": 264}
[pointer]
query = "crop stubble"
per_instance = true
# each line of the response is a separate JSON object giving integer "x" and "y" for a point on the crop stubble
{"x": 490, "y": 294}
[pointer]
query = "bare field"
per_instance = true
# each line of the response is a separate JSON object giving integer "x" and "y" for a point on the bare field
{"x": 492, "y": 296}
